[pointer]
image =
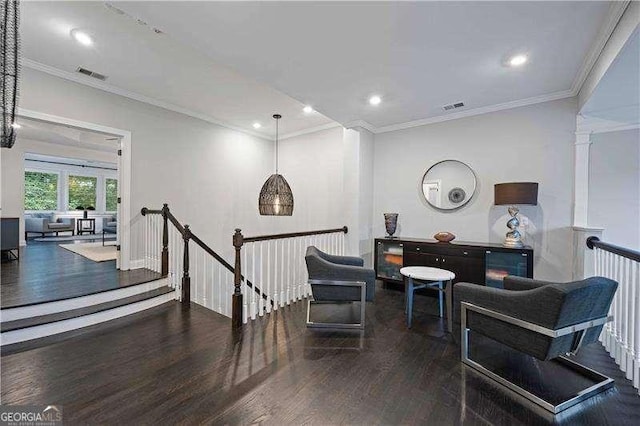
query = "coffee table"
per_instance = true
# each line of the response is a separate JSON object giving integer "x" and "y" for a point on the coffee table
{"x": 428, "y": 277}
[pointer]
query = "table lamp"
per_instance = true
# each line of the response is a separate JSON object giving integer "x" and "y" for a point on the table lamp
{"x": 512, "y": 194}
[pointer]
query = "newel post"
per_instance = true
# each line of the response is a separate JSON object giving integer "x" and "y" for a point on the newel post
{"x": 236, "y": 301}
{"x": 165, "y": 241}
{"x": 186, "y": 279}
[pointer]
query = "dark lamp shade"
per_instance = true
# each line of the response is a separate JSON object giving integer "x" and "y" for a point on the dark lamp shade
{"x": 276, "y": 198}
{"x": 516, "y": 193}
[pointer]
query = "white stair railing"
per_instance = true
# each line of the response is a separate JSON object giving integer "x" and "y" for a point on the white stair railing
{"x": 621, "y": 337}
{"x": 276, "y": 266}
{"x": 191, "y": 267}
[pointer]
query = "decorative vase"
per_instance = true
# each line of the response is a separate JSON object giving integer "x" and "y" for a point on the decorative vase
{"x": 85, "y": 214}
{"x": 391, "y": 223}
{"x": 444, "y": 237}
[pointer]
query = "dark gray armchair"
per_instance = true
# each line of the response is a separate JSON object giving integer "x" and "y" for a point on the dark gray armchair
{"x": 338, "y": 279}
{"x": 543, "y": 319}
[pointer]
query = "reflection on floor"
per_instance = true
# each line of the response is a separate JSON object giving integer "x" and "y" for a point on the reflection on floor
{"x": 47, "y": 272}
{"x": 168, "y": 366}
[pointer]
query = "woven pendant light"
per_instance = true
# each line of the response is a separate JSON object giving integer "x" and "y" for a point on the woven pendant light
{"x": 276, "y": 198}
{"x": 10, "y": 67}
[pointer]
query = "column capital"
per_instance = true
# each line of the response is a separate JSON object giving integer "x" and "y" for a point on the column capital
{"x": 583, "y": 138}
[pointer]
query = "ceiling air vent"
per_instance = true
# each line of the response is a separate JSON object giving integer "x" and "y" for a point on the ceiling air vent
{"x": 91, "y": 73}
{"x": 453, "y": 106}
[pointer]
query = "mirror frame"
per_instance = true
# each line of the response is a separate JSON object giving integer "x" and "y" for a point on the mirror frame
{"x": 475, "y": 186}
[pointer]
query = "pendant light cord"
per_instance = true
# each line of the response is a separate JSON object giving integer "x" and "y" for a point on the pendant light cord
{"x": 277, "y": 145}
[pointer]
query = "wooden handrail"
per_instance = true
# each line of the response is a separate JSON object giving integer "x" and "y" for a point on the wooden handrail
{"x": 612, "y": 248}
{"x": 187, "y": 235}
{"x": 294, "y": 234}
{"x": 238, "y": 241}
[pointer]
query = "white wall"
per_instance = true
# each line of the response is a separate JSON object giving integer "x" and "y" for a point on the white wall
{"x": 12, "y": 171}
{"x": 313, "y": 166}
{"x": 210, "y": 176}
{"x": 533, "y": 143}
{"x": 614, "y": 186}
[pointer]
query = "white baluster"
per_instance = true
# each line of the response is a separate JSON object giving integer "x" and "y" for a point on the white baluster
{"x": 271, "y": 301}
{"x": 635, "y": 324}
{"x": 261, "y": 302}
{"x": 624, "y": 365}
{"x": 288, "y": 271}
{"x": 283, "y": 272}
{"x": 255, "y": 296}
{"x": 301, "y": 253}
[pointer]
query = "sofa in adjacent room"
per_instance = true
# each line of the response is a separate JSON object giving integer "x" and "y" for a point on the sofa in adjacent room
{"x": 44, "y": 223}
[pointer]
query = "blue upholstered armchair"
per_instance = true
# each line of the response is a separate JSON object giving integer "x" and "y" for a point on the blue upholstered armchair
{"x": 109, "y": 226}
{"x": 338, "y": 279}
{"x": 543, "y": 319}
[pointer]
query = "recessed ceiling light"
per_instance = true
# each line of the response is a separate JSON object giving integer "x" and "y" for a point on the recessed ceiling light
{"x": 375, "y": 100}
{"x": 518, "y": 60}
{"x": 257, "y": 125}
{"x": 307, "y": 109}
{"x": 81, "y": 37}
{"x": 16, "y": 126}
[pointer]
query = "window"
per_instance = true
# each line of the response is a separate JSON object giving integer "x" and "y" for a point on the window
{"x": 82, "y": 191}
{"x": 111, "y": 191}
{"x": 40, "y": 191}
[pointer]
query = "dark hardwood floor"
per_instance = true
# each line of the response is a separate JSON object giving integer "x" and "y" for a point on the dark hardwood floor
{"x": 47, "y": 272}
{"x": 168, "y": 366}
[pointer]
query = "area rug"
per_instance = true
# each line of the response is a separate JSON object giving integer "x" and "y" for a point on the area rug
{"x": 75, "y": 238}
{"x": 94, "y": 251}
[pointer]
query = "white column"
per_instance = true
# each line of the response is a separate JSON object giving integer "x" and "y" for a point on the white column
{"x": 583, "y": 265}
{"x": 581, "y": 179}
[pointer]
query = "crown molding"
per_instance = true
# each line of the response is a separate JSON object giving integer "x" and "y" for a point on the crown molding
{"x": 616, "y": 10}
{"x": 477, "y": 111}
{"x": 587, "y": 125}
{"x": 87, "y": 81}
{"x": 327, "y": 126}
{"x": 363, "y": 124}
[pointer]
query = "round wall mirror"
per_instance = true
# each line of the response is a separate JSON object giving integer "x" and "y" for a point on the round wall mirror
{"x": 449, "y": 185}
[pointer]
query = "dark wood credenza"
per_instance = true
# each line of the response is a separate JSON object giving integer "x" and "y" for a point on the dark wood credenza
{"x": 478, "y": 263}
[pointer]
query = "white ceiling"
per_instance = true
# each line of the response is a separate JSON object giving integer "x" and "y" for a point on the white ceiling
{"x": 63, "y": 135}
{"x": 419, "y": 56}
{"x": 154, "y": 66}
{"x": 239, "y": 62}
{"x": 617, "y": 95}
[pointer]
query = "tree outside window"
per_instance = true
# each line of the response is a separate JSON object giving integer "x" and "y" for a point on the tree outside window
{"x": 82, "y": 191}
{"x": 111, "y": 190}
{"x": 40, "y": 191}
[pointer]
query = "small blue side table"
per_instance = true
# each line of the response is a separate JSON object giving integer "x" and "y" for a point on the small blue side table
{"x": 428, "y": 277}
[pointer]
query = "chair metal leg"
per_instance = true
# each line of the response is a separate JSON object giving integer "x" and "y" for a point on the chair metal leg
{"x": 603, "y": 382}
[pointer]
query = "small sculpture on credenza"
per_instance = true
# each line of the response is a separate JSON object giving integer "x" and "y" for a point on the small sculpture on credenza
{"x": 391, "y": 223}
